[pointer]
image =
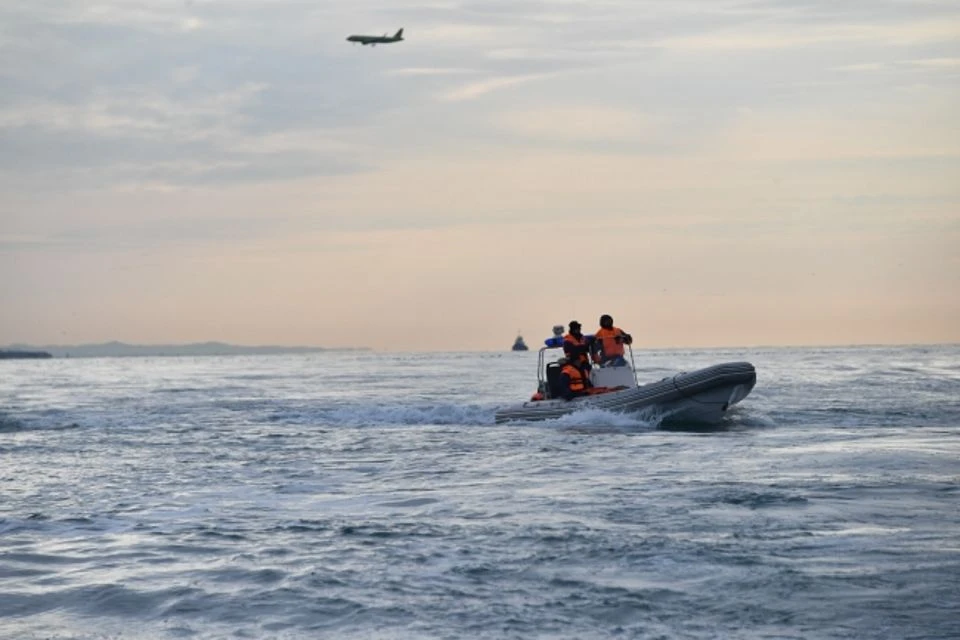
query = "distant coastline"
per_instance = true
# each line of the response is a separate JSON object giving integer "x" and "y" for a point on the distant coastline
{"x": 122, "y": 350}
{"x": 21, "y": 354}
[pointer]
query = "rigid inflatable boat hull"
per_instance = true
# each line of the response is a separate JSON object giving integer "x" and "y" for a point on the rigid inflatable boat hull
{"x": 702, "y": 396}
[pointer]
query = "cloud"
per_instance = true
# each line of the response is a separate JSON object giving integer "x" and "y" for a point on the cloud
{"x": 139, "y": 113}
{"x": 863, "y": 66}
{"x": 147, "y": 136}
{"x": 581, "y": 124}
{"x": 792, "y": 35}
{"x": 580, "y": 53}
{"x": 910, "y": 133}
{"x": 938, "y": 63}
{"x": 191, "y": 24}
{"x": 474, "y": 90}
{"x": 464, "y": 35}
{"x": 222, "y": 128}
{"x": 919, "y": 64}
{"x": 429, "y": 71}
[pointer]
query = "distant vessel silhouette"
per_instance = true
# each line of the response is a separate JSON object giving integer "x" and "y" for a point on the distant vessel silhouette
{"x": 519, "y": 344}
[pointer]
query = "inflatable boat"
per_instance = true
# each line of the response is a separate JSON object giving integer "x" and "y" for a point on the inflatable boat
{"x": 695, "y": 397}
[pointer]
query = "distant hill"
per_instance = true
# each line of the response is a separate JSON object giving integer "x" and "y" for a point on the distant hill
{"x": 121, "y": 349}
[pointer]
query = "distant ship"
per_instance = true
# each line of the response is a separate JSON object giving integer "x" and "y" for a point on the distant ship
{"x": 519, "y": 344}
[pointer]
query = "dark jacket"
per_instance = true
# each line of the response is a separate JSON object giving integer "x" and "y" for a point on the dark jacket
{"x": 577, "y": 350}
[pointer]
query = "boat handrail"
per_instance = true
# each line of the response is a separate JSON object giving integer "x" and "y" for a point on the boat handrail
{"x": 542, "y": 371}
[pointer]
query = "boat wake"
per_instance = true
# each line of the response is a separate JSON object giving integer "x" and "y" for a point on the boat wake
{"x": 591, "y": 418}
{"x": 421, "y": 414}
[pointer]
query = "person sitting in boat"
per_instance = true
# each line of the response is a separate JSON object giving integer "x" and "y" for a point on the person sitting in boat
{"x": 608, "y": 343}
{"x": 573, "y": 380}
{"x": 576, "y": 347}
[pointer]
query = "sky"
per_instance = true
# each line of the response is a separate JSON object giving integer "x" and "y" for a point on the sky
{"x": 712, "y": 173}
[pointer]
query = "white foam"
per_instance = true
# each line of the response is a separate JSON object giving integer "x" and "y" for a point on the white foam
{"x": 598, "y": 418}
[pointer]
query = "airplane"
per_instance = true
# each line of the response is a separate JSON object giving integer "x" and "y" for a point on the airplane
{"x": 375, "y": 40}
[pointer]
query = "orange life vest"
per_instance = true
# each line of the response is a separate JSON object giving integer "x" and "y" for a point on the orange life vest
{"x": 577, "y": 381}
{"x": 581, "y": 357}
{"x": 608, "y": 342}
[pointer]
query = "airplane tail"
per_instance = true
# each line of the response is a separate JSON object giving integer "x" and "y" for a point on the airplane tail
{"x": 399, "y": 35}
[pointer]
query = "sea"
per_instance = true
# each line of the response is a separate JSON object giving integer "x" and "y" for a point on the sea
{"x": 371, "y": 495}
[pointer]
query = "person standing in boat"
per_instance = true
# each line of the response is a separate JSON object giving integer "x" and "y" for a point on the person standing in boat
{"x": 574, "y": 381}
{"x": 608, "y": 343}
{"x": 576, "y": 347}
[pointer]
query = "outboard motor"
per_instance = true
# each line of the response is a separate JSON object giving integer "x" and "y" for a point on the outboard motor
{"x": 553, "y": 379}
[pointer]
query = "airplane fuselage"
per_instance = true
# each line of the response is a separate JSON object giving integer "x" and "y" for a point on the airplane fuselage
{"x": 375, "y": 40}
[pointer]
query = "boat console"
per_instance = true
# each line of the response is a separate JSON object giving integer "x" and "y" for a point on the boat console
{"x": 621, "y": 376}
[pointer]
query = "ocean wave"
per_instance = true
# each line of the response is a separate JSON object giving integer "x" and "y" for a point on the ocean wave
{"x": 9, "y": 424}
{"x": 743, "y": 418}
{"x": 755, "y": 499}
{"x": 44, "y": 421}
{"x": 439, "y": 414}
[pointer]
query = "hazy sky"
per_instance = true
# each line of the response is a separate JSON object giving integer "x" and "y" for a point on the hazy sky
{"x": 709, "y": 172}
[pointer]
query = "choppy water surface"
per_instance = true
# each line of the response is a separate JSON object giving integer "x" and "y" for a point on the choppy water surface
{"x": 371, "y": 496}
